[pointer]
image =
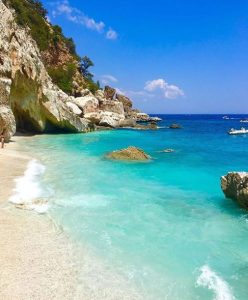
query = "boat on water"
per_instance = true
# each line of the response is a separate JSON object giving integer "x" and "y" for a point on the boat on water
{"x": 238, "y": 131}
{"x": 229, "y": 118}
{"x": 244, "y": 121}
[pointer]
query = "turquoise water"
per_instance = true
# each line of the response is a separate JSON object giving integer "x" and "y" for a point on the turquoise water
{"x": 165, "y": 224}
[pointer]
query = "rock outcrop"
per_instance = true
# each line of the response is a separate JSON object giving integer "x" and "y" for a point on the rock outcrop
{"x": 235, "y": 186}
{"x": 127, "y": 104}
{"x": 127, "y": 123}
{"x": 109, "y": 93}
{"x": 26, "y": 88}
{"x": 131, "y": 153}
{"x": 142, "y": 117}
{"x": 30, "y": 100}
{"x": 111, "y": 119}
{"x": 87, "y": 103}
{"x": 148, "y": 126}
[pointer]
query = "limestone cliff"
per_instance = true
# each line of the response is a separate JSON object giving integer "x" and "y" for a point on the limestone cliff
{"x": 30, "y": 100}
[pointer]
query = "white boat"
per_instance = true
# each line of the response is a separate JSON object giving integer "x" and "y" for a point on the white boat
{"x": 225, "y": 118}
{"x": 244, "y": 121}
{"x": 238, "y": 131}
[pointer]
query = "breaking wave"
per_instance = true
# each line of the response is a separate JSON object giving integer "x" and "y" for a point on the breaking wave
{"x": 209, "y": 279}
{"x": 28, "y": 192}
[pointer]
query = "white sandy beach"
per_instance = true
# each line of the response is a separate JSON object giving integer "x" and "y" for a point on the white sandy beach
{"x": 37, "y": 259}
{"x": 36, "y": 262}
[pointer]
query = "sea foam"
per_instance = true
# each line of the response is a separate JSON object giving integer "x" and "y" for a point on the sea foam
{"x": 28, "y": 192}
{"x": 209, "y": 279}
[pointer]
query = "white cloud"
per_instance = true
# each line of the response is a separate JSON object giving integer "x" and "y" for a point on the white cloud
{"x": 111, "y": 34}
{"x": 92, "y": 24}
{"x": 107, "y": 79}
{"x": 155, "y": 84}
{"x": 77, "y": 16}
{"x": 170, "y": 91}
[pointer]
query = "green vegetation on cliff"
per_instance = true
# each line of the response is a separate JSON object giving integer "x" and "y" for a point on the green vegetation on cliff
{"x": 31, "y": 13}
{"x": 63, "y": 77}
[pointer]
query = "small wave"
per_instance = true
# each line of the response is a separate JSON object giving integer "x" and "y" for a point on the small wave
{"x": 212, "y": 281}
{"x": 28, "y": 192}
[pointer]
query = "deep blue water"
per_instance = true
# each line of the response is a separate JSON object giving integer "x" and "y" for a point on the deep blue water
{"x": 165, "y": 224}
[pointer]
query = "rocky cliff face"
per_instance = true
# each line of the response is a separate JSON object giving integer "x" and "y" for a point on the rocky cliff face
{"x": 235, "y": 186}
{"x": 29, "y": 99}
{"x": 26, "y": 87}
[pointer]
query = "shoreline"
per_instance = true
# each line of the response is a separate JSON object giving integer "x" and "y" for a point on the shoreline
{"x": 38, "y": 260}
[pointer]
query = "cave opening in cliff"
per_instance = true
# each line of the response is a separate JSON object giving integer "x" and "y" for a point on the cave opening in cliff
{"x": 26, "y": 104}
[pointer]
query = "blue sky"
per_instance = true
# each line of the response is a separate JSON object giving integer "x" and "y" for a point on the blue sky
{"x": 169, "y": 56}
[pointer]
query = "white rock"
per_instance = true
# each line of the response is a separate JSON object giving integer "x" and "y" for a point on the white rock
{"x": 100, "y": 95}
{"x": 74, "y": 108}
{"x": 110, "y": 119}
{"x": 87, "y": 104}
{"x": 112, "y": 106}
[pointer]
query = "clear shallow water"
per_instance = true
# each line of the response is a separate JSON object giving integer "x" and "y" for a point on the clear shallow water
{"x": 164, "y": 224}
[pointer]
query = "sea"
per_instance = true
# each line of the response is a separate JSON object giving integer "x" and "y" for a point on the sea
{"x": 164, "y": 225}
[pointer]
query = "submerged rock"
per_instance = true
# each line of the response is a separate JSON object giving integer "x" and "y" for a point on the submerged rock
{"x": 175, "y": 126}
{"x": 131, "y": 153}
{"x": 235, "y": 186}
{"x": 167, "y": 151}
{"x": 150, "y": 126}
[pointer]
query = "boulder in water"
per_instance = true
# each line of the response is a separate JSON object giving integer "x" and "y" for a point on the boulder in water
{"x": 131, "y": 153}
{"x": 150, "y": 126}
{"x": 235, "y": 186}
